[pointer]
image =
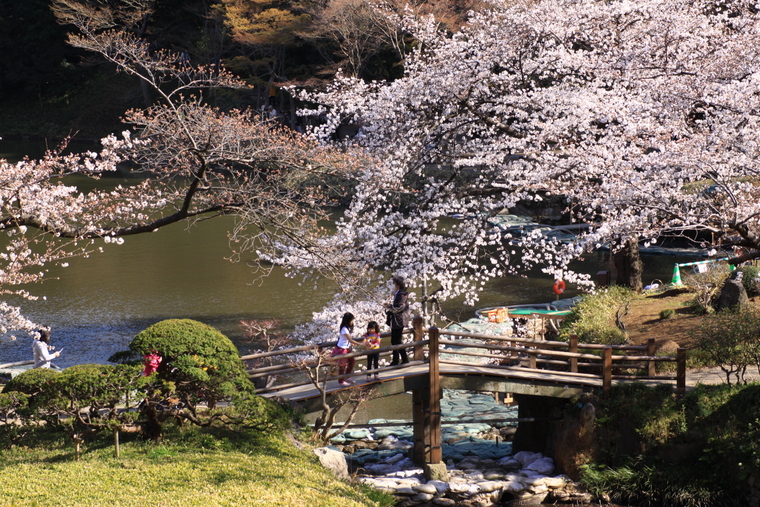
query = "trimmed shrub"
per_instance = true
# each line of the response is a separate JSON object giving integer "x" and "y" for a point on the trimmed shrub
{"x": 80, "y": 400}
{"x": 39, "y": 385}
{"x": 201, "y": 362}
{"x": 667, "y": 313}
{"x": 198, "y": 365}
{"x": 695, "y": 450}
{"x": 706, "y": 286}
{"x": 97, "y": 387}
{"x": 31, "y": 382}
{"x": 12, "y": 407}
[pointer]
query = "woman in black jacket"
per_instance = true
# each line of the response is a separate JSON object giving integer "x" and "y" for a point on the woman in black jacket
{"x": 398, "y": 318}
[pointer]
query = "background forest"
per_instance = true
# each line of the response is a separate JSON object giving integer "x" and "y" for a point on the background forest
{"x": 49, "y": 88}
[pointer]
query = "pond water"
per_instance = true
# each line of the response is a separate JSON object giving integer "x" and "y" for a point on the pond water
{"x": 97, "y": 305}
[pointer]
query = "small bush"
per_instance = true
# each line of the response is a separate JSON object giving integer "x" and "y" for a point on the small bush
{"x": 97, "y": 387}
{"x": 667, "y": 313}
{"x": 749, "y": 279}
{"x": 594, "y": 319}
{"x": 32, "y": 381}
{"x": 646, "y": 484}
{"x": 657, "y": 448}
{"x": 696, "y": 358}
{"x": 707, "y": 286}
{"x": 199, "y": 365}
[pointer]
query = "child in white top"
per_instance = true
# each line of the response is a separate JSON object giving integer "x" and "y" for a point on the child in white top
{"x": 344, "y": 347}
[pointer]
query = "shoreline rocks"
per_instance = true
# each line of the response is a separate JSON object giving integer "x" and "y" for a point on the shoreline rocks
{"x": 478, "y": 457}
{"x": 525, "y": 479}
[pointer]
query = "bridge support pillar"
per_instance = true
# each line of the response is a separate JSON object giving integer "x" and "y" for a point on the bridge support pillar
{"x": 426, "y": 411}
{"x": 420, "y": 402}
{"x": 535, "y": 427}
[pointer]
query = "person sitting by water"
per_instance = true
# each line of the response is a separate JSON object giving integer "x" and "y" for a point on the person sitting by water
{"x": 41, "y": 349}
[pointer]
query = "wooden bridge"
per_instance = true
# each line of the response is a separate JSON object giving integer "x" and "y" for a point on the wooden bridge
{"x": 440, "y": 360}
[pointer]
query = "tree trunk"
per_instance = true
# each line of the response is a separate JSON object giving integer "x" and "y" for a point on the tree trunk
{"x": 628, "y": 264}
{"x": 153, "y": 424}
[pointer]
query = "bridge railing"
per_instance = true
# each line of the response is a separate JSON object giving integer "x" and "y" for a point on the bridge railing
{"x": 584, "y": 362}
{"x": 596, "y": 361}
{"x": 318, "y": 355}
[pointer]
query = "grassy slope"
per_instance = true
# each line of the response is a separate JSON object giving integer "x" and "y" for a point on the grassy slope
{"x": 191, "y": 468}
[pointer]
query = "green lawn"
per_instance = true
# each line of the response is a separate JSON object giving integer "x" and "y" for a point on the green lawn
{"x": 191, "y": 467}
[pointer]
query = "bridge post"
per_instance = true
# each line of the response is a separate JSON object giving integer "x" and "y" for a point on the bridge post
{"x": 419, "y": 405}
{"x": 574, "y": 349}
{"x": 419, "y": 335}
{"x": 419, "y": 398}
{"x": 607, "y": 370}
{"x": 426, "y": 410}
{"x": 651, "y": 346}
{"x": 532, "y": 358}
{"x": 434, "y": 412}
{"x": 681, "y": 371}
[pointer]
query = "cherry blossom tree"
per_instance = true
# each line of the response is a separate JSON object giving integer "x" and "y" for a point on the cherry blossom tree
{"x": 191, "y": 161}
{"x": 644, "y": 115}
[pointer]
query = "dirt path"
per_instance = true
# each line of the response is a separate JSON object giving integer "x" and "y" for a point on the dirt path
{"x": 714, "y": 376}
{"x": 643, "y": 321}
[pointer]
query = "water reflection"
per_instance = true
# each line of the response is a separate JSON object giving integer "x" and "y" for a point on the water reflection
{"x": 96, "y": 305}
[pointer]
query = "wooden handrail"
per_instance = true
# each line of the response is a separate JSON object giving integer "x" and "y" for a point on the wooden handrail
{"x": 302, "y": 348}
{"x": 337, "y": 377}
{"x": 531, "y": 351}
{"x": 508, "y": 338}
{"x": 522, "y": 369}
{"x": 284, "y": 352}
{"x": 281, "y": 352}
{"x": 389, "y": 348}
{"x": 515, "y": 349}
{"x": 290, "y": 367}
{"x": 547, "y": 343}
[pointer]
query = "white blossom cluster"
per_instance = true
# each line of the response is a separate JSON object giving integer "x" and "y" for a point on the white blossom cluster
{"x": 34, "y": 203}
{"x": 643, "y": 114}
